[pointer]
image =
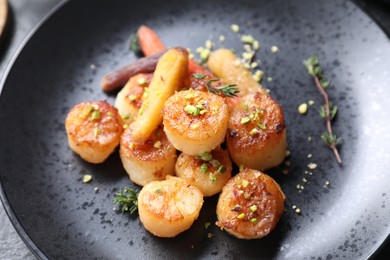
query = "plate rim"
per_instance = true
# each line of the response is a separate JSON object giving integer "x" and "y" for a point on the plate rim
{"x": 17, "y": 225}
{"x": 22, "y": 233}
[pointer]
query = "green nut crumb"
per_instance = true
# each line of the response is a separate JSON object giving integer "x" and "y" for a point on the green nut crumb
{"x": 302, "y": 108}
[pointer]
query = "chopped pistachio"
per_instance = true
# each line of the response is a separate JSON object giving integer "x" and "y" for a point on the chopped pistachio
{"x": 258, "y": 76}
{"x": 125, "y": 126}
{"x": 221, "y": 169}
{"x": 256, "y": 45}
{"x": 206, "y": 156}
{"x": 262, "y": 126}
{"x": 189, "y": 95}
{"x": 132, "y": 97}
{"x": 247, "y": 39}
{"x": 210, "y": 235}
{"x": 204, "y": 53}
{"x": 157, "y": 144}
{"x": 87, "y": 178}
{"x": 141, "y": 81}
{"x": 254, "y": 131}
{"x": 209, "y": 44}
{"x": 241, "y": 216}
{"x": 207, "y": 225}
{"x": 247, "y": 47}
{"x": 245, "y": 183}
{"x": 202, "y": 112}
{"x": 132, "y": 145}
{"x": 245, "y": 120}
{"x": 95, "y": 114}
{"x": 204, "y": 168}
{"x": 212, "y": 177}
{"x": 96, "y": 132}
{"x": 253, "y": 208}
{"x": 159, "y": 191}
{"x": 248, "y": 55}
{"x": 254, "y": 220}
{"x": 302, "y": 108}
{"x": 274, "y": 49}
{"x": 192, "y": 110}
{"x": 311, "y": 102}
{"x": 254, "y": 65}
{"x": 125, "y": 116}
{"x": 235, "y": 28}
{"x": 195, "y": 126}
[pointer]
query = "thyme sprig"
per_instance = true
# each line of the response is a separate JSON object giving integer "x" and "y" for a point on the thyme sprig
{"x": 134, "y": 44}
{"x": 228, "y": 90}
{"x": 127, "y": 200}
{"x": 328, "y": 111}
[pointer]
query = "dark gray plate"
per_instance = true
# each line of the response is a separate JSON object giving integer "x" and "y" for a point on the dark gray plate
{"x": 60, "y": 217}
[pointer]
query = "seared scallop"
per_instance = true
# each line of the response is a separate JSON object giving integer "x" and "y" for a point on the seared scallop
{"x": 195, "y": 121}
{"x": 169, "y": 207}
{"x": 129, "y": 99}
{"x": 250, "y": 205}
{"x": 209, "y": 172}
{"x": 93, "y": 130}
{"x": 150, "y": 161}
{"x": 256, "y": 135}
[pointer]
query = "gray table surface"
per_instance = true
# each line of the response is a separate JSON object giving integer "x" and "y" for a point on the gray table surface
{"x": 23, "y": 17}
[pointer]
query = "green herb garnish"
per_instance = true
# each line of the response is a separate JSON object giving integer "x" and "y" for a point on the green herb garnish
{"x": 134, "y": 44}
{"x": 127, "y": 200}
{"x": 327, "y": 111}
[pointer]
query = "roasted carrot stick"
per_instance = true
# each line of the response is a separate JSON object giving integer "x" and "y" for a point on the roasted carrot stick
{"x": 149, "y": 41}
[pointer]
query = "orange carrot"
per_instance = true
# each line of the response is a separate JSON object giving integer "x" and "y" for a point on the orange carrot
{"x": 196, "y": 68}
{"x": 149, "y": 41}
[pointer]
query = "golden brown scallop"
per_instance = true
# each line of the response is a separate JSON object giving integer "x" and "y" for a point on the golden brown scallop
{"x": 167, "y": 208}
{"x": 250, "y": 205}
{"x": 256, "y": 135}
{"x": 209, "y": 172}
{"x": 129, "y": 99}
{"x": 93, "y": 130}
{"x": 195, "y": 121}
{"x": 147, "y": 162}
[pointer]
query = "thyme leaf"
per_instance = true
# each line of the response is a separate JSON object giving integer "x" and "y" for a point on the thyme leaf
{"x": 328, "y": 111}
{"x": 228, "y": 90}
{"x": 134, "y": 44}
{"x": 127, "y": 200}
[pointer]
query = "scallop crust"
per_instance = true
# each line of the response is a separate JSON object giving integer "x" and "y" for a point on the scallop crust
{"x": 211, "y": 181}
{"x": 250, "y": 205}
{"x": 264, "y": 149}
{"x": 195, "y": 134}
{"x": 93, "y": 136}
{"x": 167, "y": 208}
{"x": 151, "y": 161}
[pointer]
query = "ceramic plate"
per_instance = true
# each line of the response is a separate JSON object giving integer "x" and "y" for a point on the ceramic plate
{"x": 60, "y": 217}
